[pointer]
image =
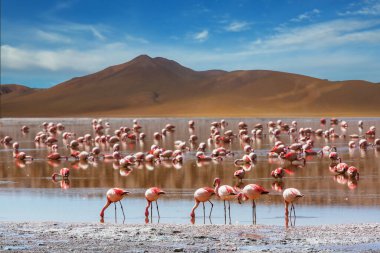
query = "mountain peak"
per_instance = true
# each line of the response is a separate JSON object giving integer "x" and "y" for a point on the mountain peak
{"x": 143, "y": 57}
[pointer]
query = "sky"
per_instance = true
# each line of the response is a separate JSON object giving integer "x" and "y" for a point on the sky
{"x": 45, "y": 42}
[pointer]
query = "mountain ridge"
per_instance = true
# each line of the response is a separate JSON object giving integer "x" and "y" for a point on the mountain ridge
{"x": 147, "y": 86}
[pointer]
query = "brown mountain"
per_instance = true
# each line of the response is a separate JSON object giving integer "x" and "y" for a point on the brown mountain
{"x": 15, "y": 90}
{"x": 159, "y": 87}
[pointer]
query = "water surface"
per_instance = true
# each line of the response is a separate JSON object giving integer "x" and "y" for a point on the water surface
{"x": 27, "y": 192}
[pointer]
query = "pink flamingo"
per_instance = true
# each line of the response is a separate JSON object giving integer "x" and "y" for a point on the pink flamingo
{"x": 56, "y": 156}
{"x": 151, "y": 195}
{"x": 253, "y": 192}
{"x": 63, "y": 174}
{"x": 239, "y": 174}
{"x": 290, "y": 195}
{"x": 292, "y": 157}
{"x": 334, "y": 157}
{"x": 280, "y": 172}
{"x": 114, "y": 195}
{"x": 226, "y": 192}
{"x": 353, "y": 172}
{"x": 340, "y": 168}
{"x": 202, "y": 195}
{"x": 20, "y": 155}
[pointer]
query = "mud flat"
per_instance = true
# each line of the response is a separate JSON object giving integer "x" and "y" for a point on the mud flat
{"x": 93, "y": 237}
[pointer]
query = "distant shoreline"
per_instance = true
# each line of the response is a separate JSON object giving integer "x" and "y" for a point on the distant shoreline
{"x": 91, "y": 237}
{"x": 190, "y": 117}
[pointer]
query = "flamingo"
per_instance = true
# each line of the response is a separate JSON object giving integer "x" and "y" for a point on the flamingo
{"x": 152, "y": 194}
{"x": 226, "y": 192}
{"x": 114, "y": 195}
{"x": 340, "y": 168}
{"x": 56, "y": 156}
{"x": 239, "y": 174}
{"x": 202, "y": 195}
{"x": 253, "y": 192}
{"x": 334, "y": 157}
{"x": 292, "y": 157}
{"x": 20, "y": 155}
{"x": 353, "y": 172}
{"x": 6, "y": 140}
{"x": 291, "y": 195}
{"x": 63, "y": 174}
{"x": 280, "y": 173}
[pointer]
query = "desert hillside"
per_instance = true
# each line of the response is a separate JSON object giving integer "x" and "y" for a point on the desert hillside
{"x": 148, "y": 86}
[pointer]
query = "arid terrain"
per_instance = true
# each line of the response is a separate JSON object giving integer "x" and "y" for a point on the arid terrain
{"x": 148, "y": 86}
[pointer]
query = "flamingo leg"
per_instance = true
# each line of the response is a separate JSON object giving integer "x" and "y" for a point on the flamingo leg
{"x": 212, "y": 206}
{"x": 122, "y": 209}
{"x": 151, "y": 212}
{"x": 229, "y": 211}
{"x": 291, "y": 209}
{"x": 225, "y": 213}
{"x": 158, "y": 212}
{"x": 204, "y": 213}
{"x": 115, "y": 213}
{"x": 294, "y": 210}
{"x": 253, "y": 212}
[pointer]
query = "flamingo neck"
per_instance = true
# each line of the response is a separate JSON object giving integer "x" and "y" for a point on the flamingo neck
{"x": 286, "y": 208}
{"x": 217, "y": 188}
{"x": 192, "y": 214}
{"x": 104, "y": 208}
{"x": 54, "y": 176}
{"x": 147, "y": 208}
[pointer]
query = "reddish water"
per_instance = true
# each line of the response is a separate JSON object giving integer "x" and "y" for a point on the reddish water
{"x": 28, "y": 193}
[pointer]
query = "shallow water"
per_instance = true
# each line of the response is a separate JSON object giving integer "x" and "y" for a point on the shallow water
{"x": 27, "y": 192}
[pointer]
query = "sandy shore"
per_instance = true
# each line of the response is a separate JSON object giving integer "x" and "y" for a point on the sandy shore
{"x": 85, "y": 237}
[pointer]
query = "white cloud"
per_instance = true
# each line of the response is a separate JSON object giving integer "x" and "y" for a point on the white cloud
{"x": 64, "y": 59}
{"x": 237, "y": 26}
{"x": 309, "y": 15}
{"x": 96, "y": 32}
{"x": 325, "y": 50}
{"x": 52, "y": 37}
{"x": 69, "y": 28}
{"x": 366, "y": 8}
{"x": 136, "y": 39}
{"x": 323, "y": 35}
{"x": 201, "y": 36}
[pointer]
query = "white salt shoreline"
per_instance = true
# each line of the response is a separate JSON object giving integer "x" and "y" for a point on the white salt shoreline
{"x": 96, "y": 237}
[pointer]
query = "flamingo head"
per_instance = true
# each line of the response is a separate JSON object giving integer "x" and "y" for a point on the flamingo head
{"x": 53, "y": 177}
{"x": 65, "y": 172}
{"x": 216, "y": 181}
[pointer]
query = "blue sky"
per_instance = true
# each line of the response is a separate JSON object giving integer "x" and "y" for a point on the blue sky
{"x": 45, "y": 42}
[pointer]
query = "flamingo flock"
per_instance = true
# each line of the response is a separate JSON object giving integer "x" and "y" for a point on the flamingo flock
{"x": 292, "y": 154}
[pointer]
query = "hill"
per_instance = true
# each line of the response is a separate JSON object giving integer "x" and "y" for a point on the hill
{"x": 148, "y": 86}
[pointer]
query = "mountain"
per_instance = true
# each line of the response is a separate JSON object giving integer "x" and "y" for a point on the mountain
{"x": 148, "y": 86}
{"x": 15, "y": 90}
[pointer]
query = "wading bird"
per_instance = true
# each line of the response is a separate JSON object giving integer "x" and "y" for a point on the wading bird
{"x": 114, "y": 195}
{"x": 253, "y": 192}
{"x": 152, "y": 195}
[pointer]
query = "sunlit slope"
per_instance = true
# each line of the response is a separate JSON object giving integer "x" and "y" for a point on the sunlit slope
{"x": 159, "y": 87}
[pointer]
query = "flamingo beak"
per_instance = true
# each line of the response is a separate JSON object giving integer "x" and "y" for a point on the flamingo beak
{"x": 126, "y": 193}
{"x": 162, "y": 192}
{"x": 264, "y": 192}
